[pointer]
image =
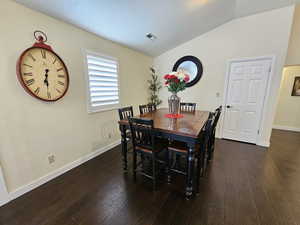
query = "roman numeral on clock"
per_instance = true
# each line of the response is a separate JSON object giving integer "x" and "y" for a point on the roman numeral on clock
{"x": 49, "y": 95}
{"x": 29, "y": 82}
{"x": 58, "y": 91}
{"x": 31, "y": 56}
{"x": 27, "y": 74}
{"x": 24, "y": 64}
{"x": 61, "y": 83}
{"x": 43, "y": 52}
{"x": 61, "y": 76}
{"x": 37, "y": 91}
{"x": 60, "y": 69}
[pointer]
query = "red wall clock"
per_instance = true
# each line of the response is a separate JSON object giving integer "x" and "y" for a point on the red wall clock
{"x": 41, "y": 72}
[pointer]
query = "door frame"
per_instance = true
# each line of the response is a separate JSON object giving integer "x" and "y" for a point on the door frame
{"x": 272, "y": 58}
{"x": 4, "y": 196}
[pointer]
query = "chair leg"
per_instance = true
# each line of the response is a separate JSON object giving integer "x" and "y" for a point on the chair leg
{"x": 202, "y": 162}
{"x": 211, "y": 148}
{"x": 212, "y": 151}
{"x": 143, "y": 162}
{"x": 209, "y": 155}
{"x": 170, "y": 157}
{"x": 134, "y": 165}
{"x": 154, "y": 170}
{"x": 198, "y": 172}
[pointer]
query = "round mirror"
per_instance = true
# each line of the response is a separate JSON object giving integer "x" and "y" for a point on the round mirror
{"x": 191, "y": 66}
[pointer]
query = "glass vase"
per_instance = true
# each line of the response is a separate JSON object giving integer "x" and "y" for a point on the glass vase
{"x": 174, "y": 102}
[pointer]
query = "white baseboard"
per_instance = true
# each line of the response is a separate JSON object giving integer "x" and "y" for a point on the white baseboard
{"x": 3, "y": 202}
{"x": 259, "y": 143}
{"x": 263, "y": 143}
{"x": 279, "y": 127}
{"x": 42, "y": 180}
{"x": 218, "y": 136}
{"x": 3, "y": 190}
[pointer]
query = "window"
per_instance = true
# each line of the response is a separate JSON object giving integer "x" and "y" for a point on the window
{"x": 102, "y": 80}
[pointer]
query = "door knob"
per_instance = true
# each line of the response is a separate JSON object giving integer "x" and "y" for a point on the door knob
{"x": 228, "y": 106}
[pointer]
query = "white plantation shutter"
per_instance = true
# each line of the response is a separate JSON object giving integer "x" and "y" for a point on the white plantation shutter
{"x": 103, "y": 82}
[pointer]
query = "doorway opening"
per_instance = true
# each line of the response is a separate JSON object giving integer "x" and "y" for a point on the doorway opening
{"x": 287, "y": 115}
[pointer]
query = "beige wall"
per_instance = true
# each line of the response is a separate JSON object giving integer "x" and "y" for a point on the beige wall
{"x": 30, "y": 130}
{"x": 258, "y": 35}
{"x": 288, "y": 108}
{"x": 293, "y": 56}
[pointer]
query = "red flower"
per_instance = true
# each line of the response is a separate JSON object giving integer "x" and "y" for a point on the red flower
{"x": 166, "y": 82}
{"x": 176, "y": 80}
{"x": 186, "y": 78}
{"x": 166, "y": 77}
{"x": 172, "y": 77}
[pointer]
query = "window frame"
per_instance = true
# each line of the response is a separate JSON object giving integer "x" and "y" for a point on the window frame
{"x": 94, "y": 109}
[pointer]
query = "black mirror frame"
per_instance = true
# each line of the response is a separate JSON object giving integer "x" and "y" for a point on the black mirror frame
{"x": 198, "y": 64}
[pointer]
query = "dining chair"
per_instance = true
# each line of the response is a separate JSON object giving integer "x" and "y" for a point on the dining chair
{"x": 147, "y": 108}
{"x": 181, "y": 149}
{"x": 125, "y": 113}
{"x": 202, "y": 155}
{"x": 187, "y": 107}
{"x": 211, "y": 147}
{"x": 152, "y": 107}
{"x": 143, "y": 109}
{"x": 145, "y": 143}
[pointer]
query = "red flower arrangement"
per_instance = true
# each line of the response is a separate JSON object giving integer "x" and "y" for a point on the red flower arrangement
{"x": 176, "y": 81}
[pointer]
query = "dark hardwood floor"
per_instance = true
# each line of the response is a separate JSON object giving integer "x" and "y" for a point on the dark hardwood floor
{"x": 244, "y": 185}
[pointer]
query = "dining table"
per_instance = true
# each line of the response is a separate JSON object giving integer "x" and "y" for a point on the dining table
{"x": 188, "y": 127}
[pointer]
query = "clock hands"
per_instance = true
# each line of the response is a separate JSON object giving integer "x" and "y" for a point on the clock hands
{"x": 46, "y": 82}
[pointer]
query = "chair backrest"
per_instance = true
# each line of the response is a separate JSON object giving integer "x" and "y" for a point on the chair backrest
{"x": 187, "y": 107}
{"x": 208, "y": 128}
{"x": 125, "y": 113}
{"x": 151, "y": 107}
{"x": 144, "y": 109}
{"x": 142, "y": 133}
{"x": 217, "y": 116}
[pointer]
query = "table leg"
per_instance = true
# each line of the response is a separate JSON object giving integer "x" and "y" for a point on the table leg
{"x": 124, "y": 147}
{"x": 190, "y": 171}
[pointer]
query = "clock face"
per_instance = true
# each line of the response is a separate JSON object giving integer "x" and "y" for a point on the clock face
{"x": 43, "y": 74}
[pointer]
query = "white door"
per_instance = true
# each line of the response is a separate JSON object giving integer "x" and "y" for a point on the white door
{"x": 246, "y": 90}
{"x": 3, "y": 190}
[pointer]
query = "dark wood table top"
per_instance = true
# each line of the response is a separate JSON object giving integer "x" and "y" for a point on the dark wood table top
{"x": 190, "y": 125}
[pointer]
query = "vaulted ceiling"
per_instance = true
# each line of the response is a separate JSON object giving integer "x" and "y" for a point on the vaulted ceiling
{"x": 172, "y": 21}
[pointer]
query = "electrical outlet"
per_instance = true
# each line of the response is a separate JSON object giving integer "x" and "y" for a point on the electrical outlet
{"x": 51, "y": 159}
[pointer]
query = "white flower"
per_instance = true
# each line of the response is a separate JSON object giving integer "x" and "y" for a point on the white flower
{"x": 180, "y": 75}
